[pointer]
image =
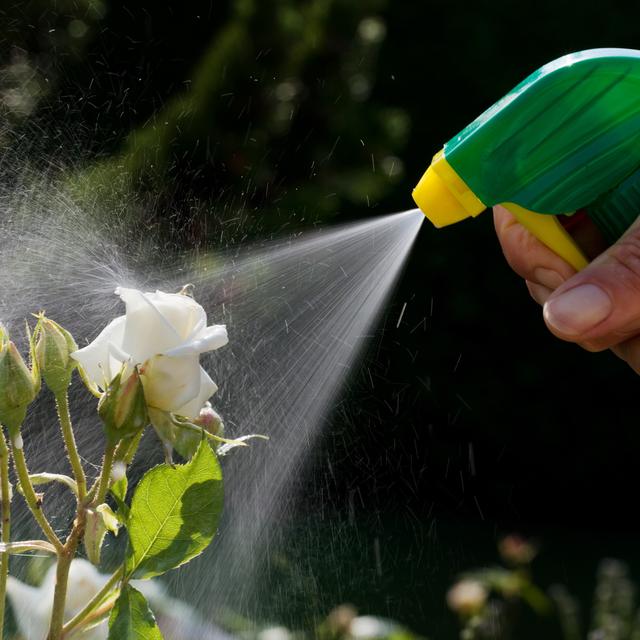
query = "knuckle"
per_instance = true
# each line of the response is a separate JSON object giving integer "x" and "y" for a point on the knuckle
{"x": 516, "y": 252}
{"x": 626, "y": 254}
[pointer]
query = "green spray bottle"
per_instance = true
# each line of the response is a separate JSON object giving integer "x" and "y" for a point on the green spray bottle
{"x": 566, "y": 140}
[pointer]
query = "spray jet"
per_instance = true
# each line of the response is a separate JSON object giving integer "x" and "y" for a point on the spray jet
{"x": 561, "y": 148}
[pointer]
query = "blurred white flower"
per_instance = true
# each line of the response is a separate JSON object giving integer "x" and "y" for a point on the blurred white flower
{"x": 467, "y": 597}
{"x": 274, "y": 633}
{"x": 164, "y": 333}
{"x": 372, "y": 30}
{"x": 32, "y": 605}
{"x": 372, "y": 628}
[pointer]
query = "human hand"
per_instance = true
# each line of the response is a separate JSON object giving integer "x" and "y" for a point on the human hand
{"x": 597, "y": 308}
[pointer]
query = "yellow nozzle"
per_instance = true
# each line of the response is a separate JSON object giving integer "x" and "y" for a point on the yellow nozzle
{"x": 443, "y": 196}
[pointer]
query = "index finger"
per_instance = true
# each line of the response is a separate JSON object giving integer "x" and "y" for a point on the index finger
{"x": 528, "y": 256}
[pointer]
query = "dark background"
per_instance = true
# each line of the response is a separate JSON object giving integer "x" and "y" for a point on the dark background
{"x": 295, "y": 114}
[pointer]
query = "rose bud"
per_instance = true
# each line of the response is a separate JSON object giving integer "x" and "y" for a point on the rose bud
{"x": 53, "y": 348}
{"x": 18, "y": 385}
{"x": 339, "y": 620}
{"x": 517, "y": 551}
{"x": 467, "y": 597}
{"x": 210, "y": 420}
{"x": 176, "y": 433}
{"x": 99, "y": 521}
{"x": 123, "y": 407}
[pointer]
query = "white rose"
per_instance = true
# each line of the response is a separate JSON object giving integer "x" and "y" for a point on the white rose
{"x": 165, "y": 333}
{"x": 467, "y": 597}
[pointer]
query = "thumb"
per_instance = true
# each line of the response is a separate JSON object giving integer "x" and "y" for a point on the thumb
{"x": 599, "y": 307}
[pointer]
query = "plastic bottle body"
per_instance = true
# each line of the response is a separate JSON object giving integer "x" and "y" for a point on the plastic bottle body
{"x": 558, "y": 141}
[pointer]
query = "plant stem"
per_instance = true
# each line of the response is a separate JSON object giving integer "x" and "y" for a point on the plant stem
{"x": 128, "y": 447}
{"x": 68, "y": 552}
{"x": 5, "y": 499}
{"x": 33, "y": 503}
{"x": 105, "y": 474}
{"x": 124, "y": 451}
{"x": 94, "y": 616}
{"x": 62, "y": 404}
{"x": 65, "y": 558}
{"x": 96, "y": 601}
{"x": 59, "y": 596}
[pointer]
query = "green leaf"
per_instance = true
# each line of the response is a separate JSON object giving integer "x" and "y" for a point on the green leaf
{"x": 27, "y": 545}
{"x": 44, "y": 478}
{"x": 119, "y": 492}
{"x": 131, "y": 618}
{"x": 119, "y": 489}
{"x": 174, "y": 514}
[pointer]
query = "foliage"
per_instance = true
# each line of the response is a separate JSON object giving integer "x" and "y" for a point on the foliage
{"x": 174, "y": 511}
{"x": 131, "y": 618}
{"x": 174, "y": 514}
{"x": 273, "y": 112}
{"x": 614, "y": 612}
{"x": 225, "y": 120}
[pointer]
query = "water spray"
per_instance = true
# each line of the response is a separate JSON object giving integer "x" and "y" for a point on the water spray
{"x": 560, "y": 149}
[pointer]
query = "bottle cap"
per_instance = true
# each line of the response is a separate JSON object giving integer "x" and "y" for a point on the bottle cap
{"x": 443, "y": 196}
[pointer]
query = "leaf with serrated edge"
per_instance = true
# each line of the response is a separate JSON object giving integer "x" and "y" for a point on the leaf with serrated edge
{"x": 131, "y": 618}
{"x": 174, "y": 514}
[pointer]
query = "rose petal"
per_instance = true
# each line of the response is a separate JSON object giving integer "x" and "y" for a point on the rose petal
{"x": 182, "y": 312}
{"x": 169, "y": 383}
{"x": 207, "y": 388}
{"x": 210, "y": 338}
{"x": 147, "y": 332}
{"x": 96, "y": 357}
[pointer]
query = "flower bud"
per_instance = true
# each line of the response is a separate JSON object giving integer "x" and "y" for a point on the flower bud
{"x": 99, "y": 521}
{"x": 517, "y": 551}
{"x": 186, "y": 441}
{"x": 52, "y": 351}
{"x": 123, "y": 407}
{"x": 467, "y": 597}
{"x": 18, "y": 386}
{"x": 339, "y": 620}
{"x": 210, "y": 420}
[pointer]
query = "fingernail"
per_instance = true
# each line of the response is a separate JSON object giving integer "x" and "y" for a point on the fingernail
{"x": 578, "y": 309}
{"x": 548, "y": 277}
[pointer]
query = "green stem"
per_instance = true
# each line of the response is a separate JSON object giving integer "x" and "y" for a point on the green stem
{"x": 59, "y": 596}
{"x": 65, "y": 558}
{"x": 125, "y": 450}
{"x": 95, "y": 602}
{"x": 62, "y": 404}
{"x": 5, "y": 499}
{"x": 29, "y": 493}
{"x": 128, "y": 447}
{"x": 105, "y": 474}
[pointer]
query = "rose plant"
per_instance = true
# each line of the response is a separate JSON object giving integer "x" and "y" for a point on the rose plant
{"x": 144, "y": 368}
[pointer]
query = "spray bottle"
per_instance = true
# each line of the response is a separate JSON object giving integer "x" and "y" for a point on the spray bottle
{"x": 563, "y": 144}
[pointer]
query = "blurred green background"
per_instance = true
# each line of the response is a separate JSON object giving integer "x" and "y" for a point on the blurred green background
{"x": 252, "y": 118}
